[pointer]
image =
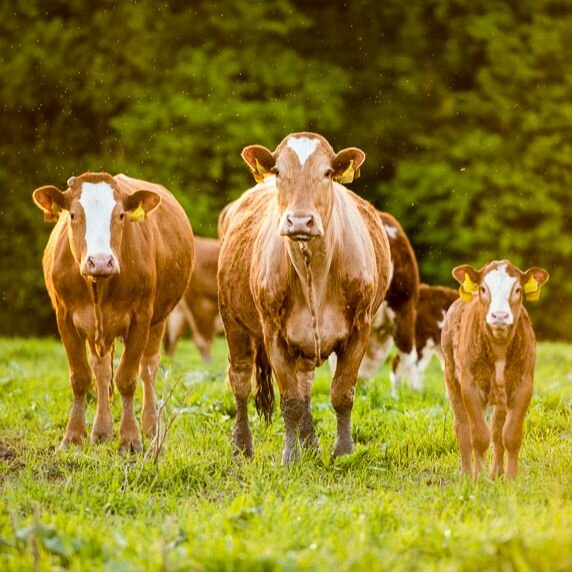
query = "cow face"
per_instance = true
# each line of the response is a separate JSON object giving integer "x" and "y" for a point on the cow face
{"x": 499, "y": 287}
{"x": 97, "y": 211}
{"x": 305, "y": 167}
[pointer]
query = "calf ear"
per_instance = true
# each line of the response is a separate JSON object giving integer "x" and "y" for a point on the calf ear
{"x": 469, "y": 279}
{"x": 260, "y": 160}
{"x": 346, "y": 165}
{"x": 532, "y": 281}
{"x": 51, "y": 201}
{"x": 141, "y": 203}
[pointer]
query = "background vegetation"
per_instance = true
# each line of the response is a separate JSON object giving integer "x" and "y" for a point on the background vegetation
{"x": 464, "y": 108}
{"x": 397, "y": 503}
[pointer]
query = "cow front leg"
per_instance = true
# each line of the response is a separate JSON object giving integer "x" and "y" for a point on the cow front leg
{"x": 514, "y": 426}
{"x": 343, "y": 386}
{"x": 308, "y": 438}
{"x": 479, "y": 430}
{"x": 80, "y": 378}
{"x": 404, "y": 366}
{"x": 126, "y": 381}
{"x": 148, "y": 371}
{"x": 102, "y": 368}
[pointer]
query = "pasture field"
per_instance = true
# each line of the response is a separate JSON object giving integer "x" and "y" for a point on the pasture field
{"x": 397, "y": 503}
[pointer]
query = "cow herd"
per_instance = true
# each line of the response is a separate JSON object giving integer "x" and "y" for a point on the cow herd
{"x": 304, "y": 270}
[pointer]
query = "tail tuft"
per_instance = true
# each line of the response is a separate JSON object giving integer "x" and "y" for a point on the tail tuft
{"x": 264, "y": 392}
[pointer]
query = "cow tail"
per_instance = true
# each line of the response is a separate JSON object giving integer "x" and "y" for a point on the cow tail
{"x": 264, "y": 392}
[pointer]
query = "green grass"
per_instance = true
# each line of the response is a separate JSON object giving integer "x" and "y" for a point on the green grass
{"x": 397, "y": 503}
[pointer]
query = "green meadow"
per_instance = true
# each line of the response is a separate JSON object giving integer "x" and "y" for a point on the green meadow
{"x": 397, "y": 503}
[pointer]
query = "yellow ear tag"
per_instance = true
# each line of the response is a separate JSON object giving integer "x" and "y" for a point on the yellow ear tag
{"x": 532, "y": 290}
{"x": 260, "y": 172}
{"x": 348, "y": 175}
{"x": 138, "y": 214}
{"x": 467, "y": 288}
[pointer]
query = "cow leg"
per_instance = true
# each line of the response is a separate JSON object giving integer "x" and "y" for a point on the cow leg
{"x": 174, "y": 329}
{"x": 461, "y": 421}
{"x": 241, "y": 363}
{"x": 80, "y": 378}
{"x": 102, "y": 368}
{"x": 148, "y": 372}
{"x": 514, "y": 426}
{"x": 126, "y": 381}
{"x": 308, "y": 438}
{"x": 480, "y": 433}
{"x": 378, "y": 348}
{"x": 343, "y": 386}
{"x": 404, "y": 365}
{"x": 499, "y": 416}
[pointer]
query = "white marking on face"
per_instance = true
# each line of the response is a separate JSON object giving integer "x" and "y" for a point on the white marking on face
{"x": 391, "y": 231}
{"x": 442, "y": 322}
{"x": 500, "y": 285}
{"x": 98, "y": 203}
{"x": 303, "y": 147}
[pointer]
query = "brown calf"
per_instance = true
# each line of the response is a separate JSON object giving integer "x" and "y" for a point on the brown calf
{"x": 303, "y": 267}
{"x": 118, "y": 260}
{"x": 198, "y": 309}
{"x": 490, "y": 352}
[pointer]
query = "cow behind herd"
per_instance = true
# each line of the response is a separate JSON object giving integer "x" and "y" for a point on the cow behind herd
{"x": 305, "y": 270}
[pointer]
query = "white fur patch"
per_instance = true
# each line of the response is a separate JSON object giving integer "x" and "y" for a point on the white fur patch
{"x": 406, "y": 369}
{"x": 98, "y": 203}
{"x": 391, "y": 231}
{"x": 441, "y": 324}
{"x": 303, "y": 147}
{"x": 500, "y": 285}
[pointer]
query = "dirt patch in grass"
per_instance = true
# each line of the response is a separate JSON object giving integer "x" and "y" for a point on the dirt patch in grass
{"x": 7, "y": 453}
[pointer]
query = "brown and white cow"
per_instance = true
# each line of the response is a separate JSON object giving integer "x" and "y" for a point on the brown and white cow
{"x": 490, "y": 353}
{"x": 118, "y": 260}
{"x": 394, "y": 322}
{"x": 432, "y": 306}
{"x": 198, "y": 309}
{"x": 304, "y": 265}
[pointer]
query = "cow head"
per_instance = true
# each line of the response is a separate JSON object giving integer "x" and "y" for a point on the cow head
{"x": 305, "y": 167}
{"x": 97, "y": 211}
{"x": 499, "y": 287}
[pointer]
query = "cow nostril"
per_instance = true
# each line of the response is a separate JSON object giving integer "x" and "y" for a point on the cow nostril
{"x": 289, "y": 221}
{"x": 110, "y": 263}
{"x": 310, "y": 222}
{"x": 90, "y": 262}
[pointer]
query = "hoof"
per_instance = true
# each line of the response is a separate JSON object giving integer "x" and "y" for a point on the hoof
{"x": 130, "y": 443}
{"x": 343, "y": 448}
{"x": 72, "y": 438}
{"x": 102, "y": 430}
{"x": 290, "y": 455}
{"x": 149, "y": 426}
{"x": 242, "y": 441}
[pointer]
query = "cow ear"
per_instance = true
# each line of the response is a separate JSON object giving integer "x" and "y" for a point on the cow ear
{"x": 260, "y": 161}
{"x": 532, "y": 281}
{"x": 141, "y": 203}
{"x": 346, "y": 165}
{"x": 469, "y": 279}
{"x": 51, "y": 201}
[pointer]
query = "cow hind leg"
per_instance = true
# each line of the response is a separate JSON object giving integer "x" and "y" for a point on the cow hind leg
{"x": 241, "y": 364}
{"x": 102, "y": 368}
{"x": 404, "y": 365}
{"x": 148, "y": 371}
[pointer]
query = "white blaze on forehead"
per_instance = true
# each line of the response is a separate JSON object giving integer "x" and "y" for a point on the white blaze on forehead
{"x": 500, "y": 285}
{"x": 98, "y": 203}
{"x": 303, "y": 147}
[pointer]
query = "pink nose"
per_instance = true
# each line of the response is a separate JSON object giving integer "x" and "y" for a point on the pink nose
{"x": 500, "y": 316}
{"x": 100, "y": 265}
{"x": 300, "y": 226}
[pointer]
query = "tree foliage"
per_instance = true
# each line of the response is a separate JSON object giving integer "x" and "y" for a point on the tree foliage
{"x": 463, "y": 108}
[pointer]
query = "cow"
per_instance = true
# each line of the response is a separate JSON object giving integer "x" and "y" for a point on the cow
{"x": 303, "y": 267}
{"x": 198, "y": 309}
{"x": 432, "y": 306}
{"x": 117, "y": 262}
{"x": 394, "y": 322}
{"x": 490, "y": 353}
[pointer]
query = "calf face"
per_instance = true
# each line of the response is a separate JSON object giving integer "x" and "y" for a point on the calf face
{"x": 97, "y": 212}
{"x": 499, "y": 286}
{"x": 305, "y": 167}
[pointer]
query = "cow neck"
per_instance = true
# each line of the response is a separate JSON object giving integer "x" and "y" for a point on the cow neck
{"x": 98, "y": 291}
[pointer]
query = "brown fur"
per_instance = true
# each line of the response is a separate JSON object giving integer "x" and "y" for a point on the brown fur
{"x": 269, "y": 312}
{"x": 489, "y": 365}
{"x": 155, "y": 263}
{"x": 199, "y": 307}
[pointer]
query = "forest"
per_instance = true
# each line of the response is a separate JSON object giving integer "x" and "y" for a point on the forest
{"x": 464, "y": 109}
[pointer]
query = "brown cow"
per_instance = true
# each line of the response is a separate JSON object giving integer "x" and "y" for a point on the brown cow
{"x": 118, "y": 260}
{"x": 304, "y": 265}
{"x": 434, "y": 301}
{"x": 198, "y": 309}
{"x": 490, "y": 352}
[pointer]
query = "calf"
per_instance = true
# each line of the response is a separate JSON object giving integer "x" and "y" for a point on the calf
{"x": 118, "y": 260}
{"x": 303, "y": 267}
{"x": 490, "y": 353}
{"x": 198, "y": 309}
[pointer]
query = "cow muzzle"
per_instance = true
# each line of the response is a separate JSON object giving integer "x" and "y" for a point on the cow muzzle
{"x": 302, "y": 227}
{"x": 100, "y": 266}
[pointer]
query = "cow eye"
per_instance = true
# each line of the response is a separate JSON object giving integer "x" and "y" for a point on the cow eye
{"x": 72, "y": 216}
{"x": 328, "y": 172}
{"x": 518, "y": 291}
{"x": 483, "y": 290}
{"x": 121, "y": 216}
{"x": 275, "y": 171}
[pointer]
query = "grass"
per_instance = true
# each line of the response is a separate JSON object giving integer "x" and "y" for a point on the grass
{"x": 397, "y": 503}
